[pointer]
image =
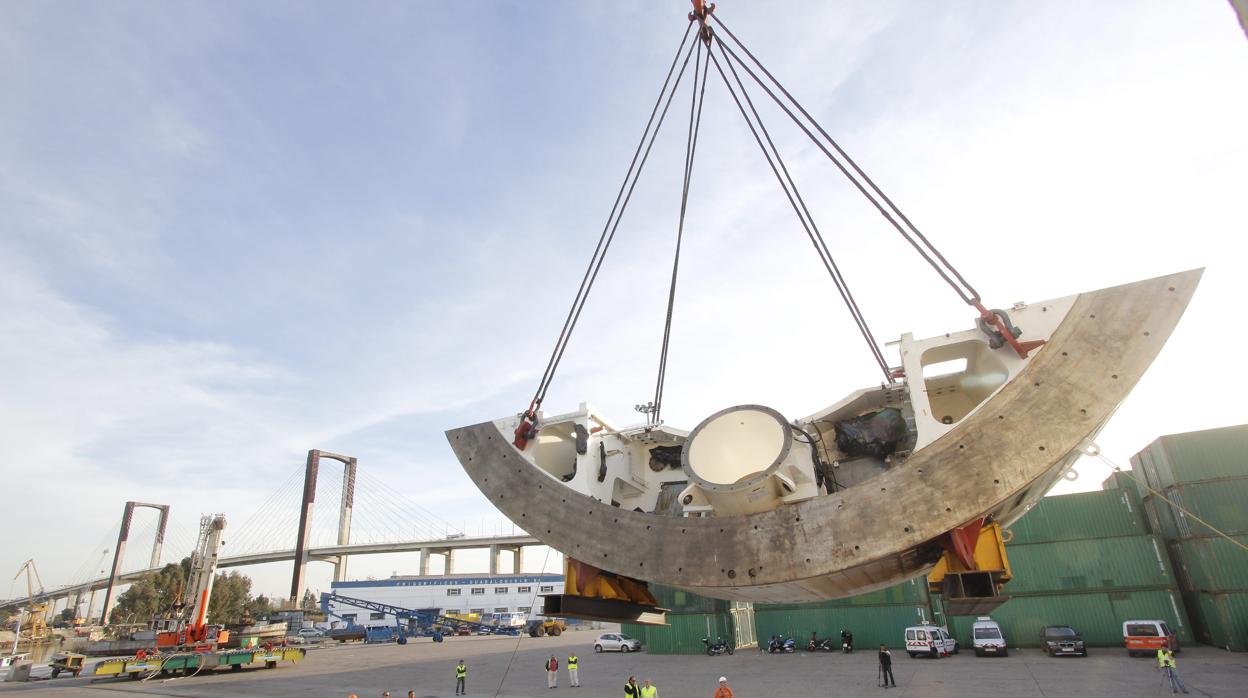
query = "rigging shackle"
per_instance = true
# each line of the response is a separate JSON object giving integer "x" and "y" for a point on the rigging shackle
{"x": 700, "y": 12}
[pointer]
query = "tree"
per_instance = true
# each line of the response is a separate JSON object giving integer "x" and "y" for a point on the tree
{"x": 154, "y": 594}
{"x": 231, "y": 596}
{"x": 260, "y": 607}
{"x": 308, "y": 603}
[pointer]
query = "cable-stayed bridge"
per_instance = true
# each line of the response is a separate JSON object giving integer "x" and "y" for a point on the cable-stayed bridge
{"x": 319, "y": 517}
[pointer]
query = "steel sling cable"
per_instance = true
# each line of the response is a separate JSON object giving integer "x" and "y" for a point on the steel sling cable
{"x": 816, "y": 238}
{"x": 965, "y": 291}
{"x": 799, "y": 207}
{"x": 608, "y": 232}
{"x": 691, "y": 146}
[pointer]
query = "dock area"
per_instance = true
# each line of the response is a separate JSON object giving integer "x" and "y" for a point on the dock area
{"x": 428, "y": 669}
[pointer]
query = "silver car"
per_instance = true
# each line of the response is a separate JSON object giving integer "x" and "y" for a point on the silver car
{"x": 616, "y": 642}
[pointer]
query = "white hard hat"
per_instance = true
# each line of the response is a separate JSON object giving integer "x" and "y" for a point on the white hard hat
{"x": 723, "y": 679}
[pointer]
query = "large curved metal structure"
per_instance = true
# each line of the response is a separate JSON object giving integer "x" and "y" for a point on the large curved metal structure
{"x": 984, "y": 442}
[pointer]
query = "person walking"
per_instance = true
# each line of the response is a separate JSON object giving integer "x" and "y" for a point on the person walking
{"x": 886, "y": 668}
{"x": 723, "y": 691}
{"x": 552, "y": 672}
{"x": 574, "y": 679}
{"x": 461, "y": 678}
{"x": 631, "y": 689}
{"x": 648, "y": 690}
{"x": 1165, "y": 662}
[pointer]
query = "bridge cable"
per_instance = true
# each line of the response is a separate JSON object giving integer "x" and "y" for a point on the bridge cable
{"x": 613, "y": 221}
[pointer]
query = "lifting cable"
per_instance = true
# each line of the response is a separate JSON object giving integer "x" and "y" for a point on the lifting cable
{"x": 608, "y": 232}
{"x": 1095, "y": 451}
{"x": 691, "y": 146}
{"x": 878, "y": 198}
{"x": 799, "y": 207}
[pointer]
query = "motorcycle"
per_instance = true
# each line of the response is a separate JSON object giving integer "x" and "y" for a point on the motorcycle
{"x": 778, "y": 644}
{"x": 847, "y": 642}
{"x": 816, "y": 645}
{"x": 720, "y": 647}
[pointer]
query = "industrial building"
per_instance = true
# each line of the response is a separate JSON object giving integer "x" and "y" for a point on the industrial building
{"x": 456, "y": 594}
{"x": 1091, "y": 560}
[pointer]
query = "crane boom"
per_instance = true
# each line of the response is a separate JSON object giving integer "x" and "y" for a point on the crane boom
{"x": 203, "y": 570}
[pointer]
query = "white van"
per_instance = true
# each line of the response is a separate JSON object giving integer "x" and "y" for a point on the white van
{"x": 930, "y": 640}
{"x": 987, "y": 638}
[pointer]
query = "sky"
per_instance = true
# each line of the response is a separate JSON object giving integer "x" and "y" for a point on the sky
{"x": 232, "y": 232}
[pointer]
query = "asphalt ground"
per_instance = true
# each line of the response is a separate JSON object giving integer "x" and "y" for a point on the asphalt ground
{"x": 429, "y": 670}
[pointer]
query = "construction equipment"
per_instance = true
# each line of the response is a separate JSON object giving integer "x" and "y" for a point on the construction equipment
{"x": 553, "y": 627}
{"x": 67, "y": 662}
{"x": 419, "y": 620}
{"x": 972, "y": 570}
{"x": 191, "y": 629}
{"x": 36, "y": 612}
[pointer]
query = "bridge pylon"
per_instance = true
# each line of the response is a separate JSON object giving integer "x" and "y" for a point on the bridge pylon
{"x": 349, "y": 465}
{"x": 120, "y": 551}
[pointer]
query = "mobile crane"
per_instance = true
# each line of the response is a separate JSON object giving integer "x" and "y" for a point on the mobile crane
{"x": 189, "y": 628}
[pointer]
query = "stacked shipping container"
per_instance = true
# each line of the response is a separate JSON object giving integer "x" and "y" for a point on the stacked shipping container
{"x": 875, "y": 618}
{"x": 1086, "y": 560}
{"x": 1205, "y": 473}
{"x": 691, "y": 618}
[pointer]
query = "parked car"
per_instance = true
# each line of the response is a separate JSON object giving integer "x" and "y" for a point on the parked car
{"x": 1148, "y": 636}
{"x": 611, "y": 642}
{"x": 311, "y": 633}
{"x": 987, "y": 638}
{"x": 1062, "y": 639}
{"x": 930, "y": 641}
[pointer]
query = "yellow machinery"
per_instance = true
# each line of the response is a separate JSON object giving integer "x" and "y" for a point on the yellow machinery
{"x": 595, "y": 594}
{"x": 36, "y": 626}
{"x": 970, "y": 574}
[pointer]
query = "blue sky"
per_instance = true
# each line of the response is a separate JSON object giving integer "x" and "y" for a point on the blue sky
{"x": 232, "y": 232}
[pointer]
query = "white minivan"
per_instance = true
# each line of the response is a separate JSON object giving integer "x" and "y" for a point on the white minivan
{"x": 930, "y": 641}
{"x": 987, "y": 638}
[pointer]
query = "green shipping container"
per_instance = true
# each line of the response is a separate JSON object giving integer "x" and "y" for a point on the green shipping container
{"x": 1211, "y": 564}
{"x": 683, "y": 633}
{"x": 910, "y": 592}
{"x": 1125, "y": 562}
{"x": 679, "y": 601}
{"x": 1160, "y": 518}
{"x": 1222, "y": 503}
{"x": 1097, "y": 615}
{"x": 1125, "y": 480}
{"x": 1221, "y": 619}
{"x": 871, "y": 625}
{"x": 1194, "y": 456}
{"x": 1102, "y": 514}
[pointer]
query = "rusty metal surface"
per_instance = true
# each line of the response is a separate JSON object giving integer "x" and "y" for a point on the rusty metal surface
{"x": 995, "y": 462}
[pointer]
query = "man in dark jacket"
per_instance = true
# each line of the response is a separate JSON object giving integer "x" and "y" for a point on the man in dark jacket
{"x": 886, "y": 668}
{"x": 631, "y": 689}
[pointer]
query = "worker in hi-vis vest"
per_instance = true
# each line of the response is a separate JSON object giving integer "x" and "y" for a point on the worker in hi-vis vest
{"x": 573, "y": 679}
{"x": 648, "y": 690}
{"x": 461, "y": 677}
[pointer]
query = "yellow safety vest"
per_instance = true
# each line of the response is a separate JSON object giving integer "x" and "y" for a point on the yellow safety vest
{"x": 461, "y": 671}
{"x": 1165, "y": 660}
{"x": 572, "y": 661}
{"x": 649, "y": 691}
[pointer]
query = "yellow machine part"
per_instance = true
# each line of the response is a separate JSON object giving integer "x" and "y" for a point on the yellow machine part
{"x": 989, "y": 557}
{"x": 581, "y": 579}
